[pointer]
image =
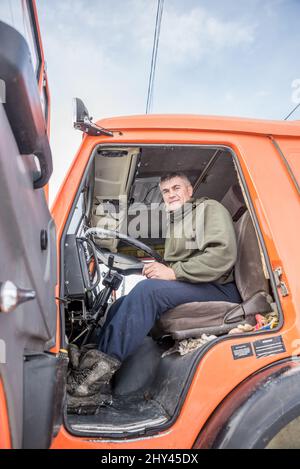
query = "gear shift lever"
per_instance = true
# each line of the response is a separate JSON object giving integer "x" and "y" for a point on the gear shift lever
{"x": 111, "y": 281}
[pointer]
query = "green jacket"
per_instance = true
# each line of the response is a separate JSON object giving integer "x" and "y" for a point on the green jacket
{"x": 201, "y": 244}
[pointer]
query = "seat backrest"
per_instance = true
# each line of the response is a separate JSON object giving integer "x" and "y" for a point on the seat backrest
{"x": 233, "y": 200}
{"x": 249, "y": 274}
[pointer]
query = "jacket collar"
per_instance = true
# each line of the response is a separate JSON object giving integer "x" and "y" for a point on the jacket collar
{"x": 181, "y": 212}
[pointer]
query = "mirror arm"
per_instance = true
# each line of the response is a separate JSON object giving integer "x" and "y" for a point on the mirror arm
{"x": 92, "y": 129}
{"x": 83, "y": 121}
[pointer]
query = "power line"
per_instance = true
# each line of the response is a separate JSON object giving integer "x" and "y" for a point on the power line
{"x": 160, "y": 7}
{"x": 11, "y": 13}
{"x": 292, "y": 112}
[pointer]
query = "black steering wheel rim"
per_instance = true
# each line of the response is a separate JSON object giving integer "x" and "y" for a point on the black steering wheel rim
{"x": 103, "y": 233}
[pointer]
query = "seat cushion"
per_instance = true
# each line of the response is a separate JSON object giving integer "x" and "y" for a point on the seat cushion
{"x": 195, "y": 316}
{"x": 210, "y": 317}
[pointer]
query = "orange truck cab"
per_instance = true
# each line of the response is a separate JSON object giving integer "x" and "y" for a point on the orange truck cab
{"x": 228, "y": 381}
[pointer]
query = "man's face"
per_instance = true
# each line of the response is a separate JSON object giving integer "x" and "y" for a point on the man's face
{"x": 175, "y": 192}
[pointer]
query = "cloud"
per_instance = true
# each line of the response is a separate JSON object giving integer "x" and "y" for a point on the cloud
{"x": 196, "y": 34}
{"x": 129, "y": 26}
{"x": 229, "y": 96}
{"x": 272, "y": 7}
{"x": 262, "y": 93}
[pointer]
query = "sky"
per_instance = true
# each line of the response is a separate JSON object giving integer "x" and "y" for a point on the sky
{"x": 217, "y": 57}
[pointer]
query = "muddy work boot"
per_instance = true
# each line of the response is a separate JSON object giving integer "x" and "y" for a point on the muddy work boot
{"x": 74, "y": 356}
{"x": 95, "y": 370}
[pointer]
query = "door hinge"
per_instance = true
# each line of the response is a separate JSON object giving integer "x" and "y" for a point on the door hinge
{"x": 279, "y": 282}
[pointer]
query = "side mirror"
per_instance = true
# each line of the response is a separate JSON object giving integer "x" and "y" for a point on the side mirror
{"x": 80, "y": 112}
{"x": 23, "y": 104}
{"x": 82, "y": 120}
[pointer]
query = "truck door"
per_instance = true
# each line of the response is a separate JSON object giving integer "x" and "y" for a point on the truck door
{"x": 31, "y": 377}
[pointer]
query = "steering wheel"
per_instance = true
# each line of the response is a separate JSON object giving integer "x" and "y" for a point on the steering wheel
{"x": 123, "y": 263}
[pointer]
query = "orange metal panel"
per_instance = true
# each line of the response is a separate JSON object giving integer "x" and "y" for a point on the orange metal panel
{"x": 5, "y": 442}
{"x": 203, "y": 123}
{"x": 291, "y": 151}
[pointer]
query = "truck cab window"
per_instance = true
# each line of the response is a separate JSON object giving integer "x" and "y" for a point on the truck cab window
{"x": 19, "y": 15}
{"x": 78, "y": 215}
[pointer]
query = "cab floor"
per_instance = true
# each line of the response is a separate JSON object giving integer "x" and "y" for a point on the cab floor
{"x": 147, "y": 392}
{"x": 126, "y": 414}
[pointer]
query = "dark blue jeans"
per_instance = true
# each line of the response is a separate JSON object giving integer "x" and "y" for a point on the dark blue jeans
{"x": 132, "y": 316}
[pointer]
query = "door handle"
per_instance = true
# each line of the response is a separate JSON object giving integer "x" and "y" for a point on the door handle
{"x": 12, "y": 296}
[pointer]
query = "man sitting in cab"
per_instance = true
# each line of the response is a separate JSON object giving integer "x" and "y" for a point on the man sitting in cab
{"x": 200, "y": 253}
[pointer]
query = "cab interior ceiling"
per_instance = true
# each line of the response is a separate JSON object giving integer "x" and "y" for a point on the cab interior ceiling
{"x": 216, "y": 166}
{"x": 135, "y": 173}
{"x": 150, "y": 163}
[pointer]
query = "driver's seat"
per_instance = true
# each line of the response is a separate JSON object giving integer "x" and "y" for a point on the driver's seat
{"x": 191, "y": 320}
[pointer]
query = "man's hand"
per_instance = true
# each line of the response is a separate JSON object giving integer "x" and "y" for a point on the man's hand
{"x": 159, "y": 271}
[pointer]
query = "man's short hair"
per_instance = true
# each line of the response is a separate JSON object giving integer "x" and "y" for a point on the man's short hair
{"x": 173, "y": 175}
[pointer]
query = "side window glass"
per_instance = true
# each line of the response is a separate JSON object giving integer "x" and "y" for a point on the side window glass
{"x": 19, "y": 15}
{"x": 30, "y": 31}
{"x": 45, "y": 101}
{"x": 77, "y": 217}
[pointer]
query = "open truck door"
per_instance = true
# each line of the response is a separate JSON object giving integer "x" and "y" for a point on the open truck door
{"x": 31, "y": 376}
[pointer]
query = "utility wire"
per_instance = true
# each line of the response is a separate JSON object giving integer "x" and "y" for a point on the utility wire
{"x": 160, "y": 7}
{"x": 292, "y": 112}
{"x": 11, "y": 13}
